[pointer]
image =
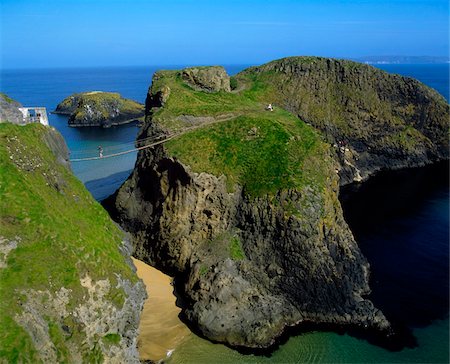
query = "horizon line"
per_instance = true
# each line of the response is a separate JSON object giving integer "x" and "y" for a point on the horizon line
{"x": 445, "y": 60}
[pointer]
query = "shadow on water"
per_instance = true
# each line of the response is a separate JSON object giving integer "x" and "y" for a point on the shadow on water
{"x": 400, "y": 220}
{"x": 104, "y": 187}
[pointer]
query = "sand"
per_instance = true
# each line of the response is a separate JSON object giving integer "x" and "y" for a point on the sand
{"x": 160, "y": 329}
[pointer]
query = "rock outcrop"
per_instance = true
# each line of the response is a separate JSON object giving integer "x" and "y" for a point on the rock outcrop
{"x": 98, "y": 108}
{"x": 209, "y": 79}
{"x": 245, "y": 212}
{"x": 9, "y": 110}
{"x": 69, "y": 288}
{"x": 291, "y": 270}
{"x": 374, "y": 119}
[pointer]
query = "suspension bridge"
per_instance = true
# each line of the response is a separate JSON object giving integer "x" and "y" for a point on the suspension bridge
{"x": 103, "y": 174}
{"x": 117, "y": 150}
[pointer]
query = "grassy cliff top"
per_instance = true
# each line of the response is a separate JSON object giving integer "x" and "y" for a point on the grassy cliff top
{"x": 357, "y": 102}
{"x": 260, "y": 150}
{"x": 53, "y": 234}
{"x": 381, "y": 117}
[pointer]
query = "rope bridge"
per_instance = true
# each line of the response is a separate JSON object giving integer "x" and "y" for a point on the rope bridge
{"x": 120, "y": 149}
{"x": 131, "y": 147}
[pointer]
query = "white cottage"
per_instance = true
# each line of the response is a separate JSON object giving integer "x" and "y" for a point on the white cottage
{"x": 34, "y": 115}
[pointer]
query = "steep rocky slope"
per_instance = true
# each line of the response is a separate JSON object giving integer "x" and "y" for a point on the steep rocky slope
{"x": 374, "y": 119}
{"x": 99, "y": 109}
{"x": 9, "y": 110}
{"x": 68, "y": 288}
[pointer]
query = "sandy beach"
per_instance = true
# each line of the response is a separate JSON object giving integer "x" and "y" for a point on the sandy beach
{"x": 160, "y": 329}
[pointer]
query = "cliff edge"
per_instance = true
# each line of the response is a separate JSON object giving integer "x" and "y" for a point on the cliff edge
{"x": 68, "y": 288}
{"x": 241, "y": 203}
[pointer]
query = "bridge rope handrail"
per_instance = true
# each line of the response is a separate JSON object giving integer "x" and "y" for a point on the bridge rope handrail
{"x": 126, "y": 151}
{"x": 166, "y": 139}
{"x": 134, "y": 143}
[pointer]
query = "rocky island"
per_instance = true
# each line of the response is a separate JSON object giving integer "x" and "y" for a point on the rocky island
{"x": 69, "y": 291}
{"x": 241, "y": 204}
{"x": 97, "y": 108}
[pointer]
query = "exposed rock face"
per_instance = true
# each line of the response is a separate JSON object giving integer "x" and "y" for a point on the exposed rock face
{"x": 56, "y": 143}
{"x": 159, "y": 94}
{"x": 68, "y": 105}
{"x": 376, "y": 120}
{"x": 9, "y": 110}
{"x": 99, "y": 109}
{"x": 209, "y": 79}
{"x": 96, "y": 316}
{"x": 295, "y": 269}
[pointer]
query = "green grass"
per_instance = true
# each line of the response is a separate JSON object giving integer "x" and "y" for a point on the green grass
{"x": 64, "y": 234}
{"x": 262, "y": 151}
{"x": 58, "y": 339}
{"x": 112, "y": 339}
{"x": 407, "y": 139}
{"x": 6, "y": 98}
{"x": 236, "y": 251}
{"x": 233, "y": 83}
{"x": 102, "y": 101}
{"x": 203, "y": 270}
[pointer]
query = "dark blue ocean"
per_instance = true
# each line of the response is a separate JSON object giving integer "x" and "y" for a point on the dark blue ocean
{"x": 400, "y": 220}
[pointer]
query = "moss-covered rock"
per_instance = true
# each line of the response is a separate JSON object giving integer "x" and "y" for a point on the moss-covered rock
{"x": 209, "y": 79}
{"x": 68, "y": 289}
{"x": 97, "y": 108}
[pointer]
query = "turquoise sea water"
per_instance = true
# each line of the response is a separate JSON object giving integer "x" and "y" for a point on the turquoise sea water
{"x": 404, "y": 233}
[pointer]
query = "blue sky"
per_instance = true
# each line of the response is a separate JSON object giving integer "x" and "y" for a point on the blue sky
{"x": 58, "y": 33}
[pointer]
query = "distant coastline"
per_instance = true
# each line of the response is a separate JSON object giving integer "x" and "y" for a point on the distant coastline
{"x": 402, "y": 60}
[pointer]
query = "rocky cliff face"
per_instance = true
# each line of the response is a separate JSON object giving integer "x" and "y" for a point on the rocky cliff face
{"x": 374, "y": 119}
{"x": 9, "y": 110}
{"x": 291, "y": 269}
{"x": 99, "y": 109}
{"x": 243, "y": 206}
{"x": 250, "y": 260}
{"x": 68, "y": 286}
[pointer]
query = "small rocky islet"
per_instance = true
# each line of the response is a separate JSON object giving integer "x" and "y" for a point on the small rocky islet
{"x": 241, "y": 207}
{"x": 98, "y": 108}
